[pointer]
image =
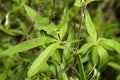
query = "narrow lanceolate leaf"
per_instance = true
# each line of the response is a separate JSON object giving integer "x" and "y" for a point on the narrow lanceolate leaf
{"x": 27, "y": 45}
{"x": 83, "y": 50}
{"x": 64, "y": 22}
{"x": 35, "y": 16}
{"x": 41, "y": 22}
{"x": 94, "y": 56}
{"x": 41, "y": 59}
{"x": 103, "y": 57}
{"x": 90, "y": 27}
{"x": 114, "y": 65}
{"x": 110, "y": 43}
{"x": 81, "y": 68}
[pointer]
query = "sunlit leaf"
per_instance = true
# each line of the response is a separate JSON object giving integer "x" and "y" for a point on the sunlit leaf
{"x": 64, "y": 76}
{"x": 90, "y": 27}
{"x": 41, "y": 22}
{"x": 78, "y": 3}
{"x": 103, "y": 57}
{"x": 41, "y": 59}
{"x": 27, "y": 45}
{"x": 35, "y": 16}
{"x": 99, "y": 57}
{"x": 110, "y": 43}
{"x": 94, "y": 56}
{"x": 64, "y": 22}
{"x": 85, "y": 48}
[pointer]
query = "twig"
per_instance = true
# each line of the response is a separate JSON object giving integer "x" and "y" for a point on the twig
{"x": 32, "y": 23}
{"x": 50, "y": 19}
{"x": 28, "y": 31}
{"x": 43, "y": 7}
{"x": 82, "y": 10}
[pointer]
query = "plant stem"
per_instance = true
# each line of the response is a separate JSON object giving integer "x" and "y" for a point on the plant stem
{"x": 82, "y": 10}
{"x": 44, "y": 5}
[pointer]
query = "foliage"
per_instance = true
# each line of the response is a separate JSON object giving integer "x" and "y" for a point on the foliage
{"x": 39, "y": 40}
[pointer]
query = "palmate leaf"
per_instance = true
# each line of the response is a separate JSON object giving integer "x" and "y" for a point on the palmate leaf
{"x": 27, "y": 45}
{"x": 90, "y": 27}
{"x": 41, "y": 59}
{"x": 64, "y": 22}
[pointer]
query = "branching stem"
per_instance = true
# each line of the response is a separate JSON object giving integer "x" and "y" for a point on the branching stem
{"x": 82, "y": 10}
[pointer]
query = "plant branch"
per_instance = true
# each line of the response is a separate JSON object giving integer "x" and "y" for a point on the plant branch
{"x": 82, "y": 10}
{"x": 42, "y": 7}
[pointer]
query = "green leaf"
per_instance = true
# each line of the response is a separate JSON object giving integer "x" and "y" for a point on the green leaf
{"x": 79, "y": 3}
{"x": 64, "y": 22}
{"x": 19, "y": 75}
{"x": 50, "y": 30}
{"x": 103, "y": 57}
{"x": 41, "y": 59}
{"x": 28, "y": 57}
{"x": 35, "y": 16}
{"x": 27, "y": 45}
{"x": 41, "y": 22}
{"x": 4, "y": 73}
{"x": 90, "y": 27}
{"x": 99, "y": 57}
{"x": 110, "y": 43}
{"x": 81, "y": 68}
{"x": 94, "y": 56}
{"x": 114, "y": 65}
{"x": 77, "y": 73}
{"x": 64, "y": 76}
{"x": 83, "y": 50}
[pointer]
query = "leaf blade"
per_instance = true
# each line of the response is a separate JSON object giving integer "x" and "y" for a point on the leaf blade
{"x": 103, "y": 57}
{"x": 85, "y": 48}
{"x": 110, "y": 43}
{"x": 64, "y": 22}
{"x": 41, "y": 22}
{"x": 90, "y": 27}
{"x": 27, "y": 45}
{"x": 41, "y": 59}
